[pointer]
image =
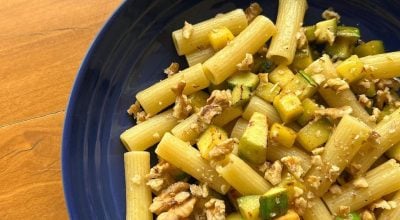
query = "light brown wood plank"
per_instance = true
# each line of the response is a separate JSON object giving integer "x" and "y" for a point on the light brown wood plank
{"x": 42, "y": 44}
{"x": 30, "y": 169}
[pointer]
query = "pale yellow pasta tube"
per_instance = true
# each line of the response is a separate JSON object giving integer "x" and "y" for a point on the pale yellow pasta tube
{"x": 159, "y": 96}
{"x": 387, "y": 135}
{"x": 335, "y": 99}
{"x": 149, "y": 132}
{"x": 199, "y": 56}
{"x": 389, "y": 214}
{"x": 256, "y": 104}
{"x": 341, "y": 147}
{"x": 188, "y": 159}
{"x": 242, "y": 177}
{"x": 275, "y": 152}
{"x": 290, "y": 18}
{"x": 227, "y": 115}
{"x": 318, "y": 211}
{"x": 224, "y": 63}
{"x": 382, "y": 66}
{"x": 381, "y": 181}
{"x": 186, "y": 130}
{"x": 235, "y": 21}
{"x": 138, "y": 194}
{"x": 239, "y": 128}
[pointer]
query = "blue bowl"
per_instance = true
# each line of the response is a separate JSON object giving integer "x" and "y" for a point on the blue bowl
{"x": 128, "y": 55}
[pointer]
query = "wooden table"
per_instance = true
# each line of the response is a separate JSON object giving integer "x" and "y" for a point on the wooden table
{"x": 42, "y": 44}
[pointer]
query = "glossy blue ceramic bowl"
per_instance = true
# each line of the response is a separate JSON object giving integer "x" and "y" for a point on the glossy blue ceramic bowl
{"x": 128, "y": 55}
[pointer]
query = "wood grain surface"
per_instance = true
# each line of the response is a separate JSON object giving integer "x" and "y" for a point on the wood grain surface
{"x": 42, "y": 44}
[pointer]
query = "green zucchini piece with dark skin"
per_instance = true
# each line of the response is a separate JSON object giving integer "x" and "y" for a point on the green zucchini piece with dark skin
{"x": 274, "y": 203}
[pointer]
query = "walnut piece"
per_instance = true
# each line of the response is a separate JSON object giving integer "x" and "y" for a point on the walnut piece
{"x": 222, "y": 149}
{"x": 360, "y": 182}
{"x": 172, "y": 69}
{"x": 367, "y": 215}
{"x": 263, "y": 77}
{"x": 344, "y": 210}
{"x": 292, "y": 163}
{"x": 329, "y": 14}
{"x": 382, "y": 204}
{"x": 333, "y": 113}
{"x": 182, "y": 108}
{"x": 166, "y": 200}
{"x": 253, "y": 11}
{"x": 383, "y": 97}
{"x": 137, "y": 112}
{"x": 319, "y": 78}
{"x": 316, "y": 160}
{"x": 246, "y": 63}
{"x": 200, "y": 191}
{"x": 300, "y": 205}
{"x": 336, "y": 84}
{"x": 187, "y": 30}
{"x": 365, "y": 101}
{"x": 160, "y": 176}
{"x": 318, "y": 151}
{"x": 215, "y": 209}
{"x": 335, "y": 189}
{"x": 301, "y": 39}
{"x": 314, "y": 181}
{"x": 273, "y": 173}
{"x": 218, "y": 101}
{"x": 333, "y": 173}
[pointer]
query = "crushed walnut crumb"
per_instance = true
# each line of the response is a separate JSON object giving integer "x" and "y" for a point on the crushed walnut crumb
{"x": 393, "y": 84}
{"x": 222, "y": 149}
{"x": 160, "y": 176}
{"x": 383, "y": 97}
{"x": 216, "y": 103}
{"x": 246, "y": 63}
{"x": 172, "y": 69}
{"x": 215, "y": 209}
{"x": 263, "y": 77}
{"x": 374, "y": 137}
{"x": 253, "y": 11}
{"x": 333, "y": 173}
{"x": 319, "y": 78}
{"x": 182, "y": 108}
{"x": 329, "y": 14}
{"x": 333, "y": 113}
{"x": 298, "y": 191}
{"x": 355, "y": 167}
{"x": 316, "y": 160}
{"x": 336, "y": 84}
{"x": 335, "y": 189}
{"x": 273, "y": 173}
{"x": 292, "y": 163}
{"x": 344, "y": 210}
{"x": 318, "y": 151}
{"x": 200, "y": 191}
{"x": 301, "y": 39}
{"x": 300, "y": 205}
{"x": 383, "y": 204}
{"x": 137, "y": 112}
{"x": 367, "y": 215}
{"x": 187, "y": 30}
{"x": 314, "y": 181}
{"x": 360, "y": 182}
{"x": 365, "y": 101}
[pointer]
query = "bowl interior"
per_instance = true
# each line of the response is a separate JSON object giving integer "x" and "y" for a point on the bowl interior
{"x": 129, "y": 55}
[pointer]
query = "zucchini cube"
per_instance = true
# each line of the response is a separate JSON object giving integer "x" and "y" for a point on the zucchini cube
{"x": 314, "y": 134}
{"x": 268, "y": 91}
{"x": 309, "y": 107}
{"x": 288, "y": 106}
{"x": 274, "y": 203}
{"x": 325, "y": 31}
{"x": 240, "y": 95}
{"x": 249, "y": 207}
{"x": 210, "y": 138}
{"x": 282, "y": 135}
{"x": 246, "y": 79}
{"x": 253, "y": 143}
{"x": 281, "y": 75}
{"x": 370, "y": 48}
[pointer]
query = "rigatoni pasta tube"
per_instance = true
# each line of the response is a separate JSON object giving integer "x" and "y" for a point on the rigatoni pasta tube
{"x": 224, "y": 63}
{"x": 188, "y": 159}
{"x": 387, "y": 135}
{"x": 235, "y": 21}
{"x": 381, "y": 181}
{"x": 389, "y": 214}
{"x": 275, "y": 152}
{"x": 382, "y": 66}
{"x": 138, "y": 194}
{"x": 257, "y": 104}
{"x": 335, "y": 99}
{"x": 239, "y": 128}
{"x": 227, "y": 115}
{"x": 242, "y": 177}
{"x": 290, "y": 18}
{"x": 149, "y": 132}
{"x": 341, "y": 147}
{"x": 185, "y": 130}
{"x": 199, "y": 56}
{"x": 318, "y": 211}
{"x": 159, "y": 96}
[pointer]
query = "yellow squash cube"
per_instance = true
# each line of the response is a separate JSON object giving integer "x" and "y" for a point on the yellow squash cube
{"x": 281, "y": 75}
{"x": 290, "y": 215}
{"x": 288, "y": 106}
{"x": 219, "y": 37}
{"x": 309, "y": 107}
{"x": 213, "y": 136}
{"x": 351, "y": 69}
{"x": 282, "y": 135}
